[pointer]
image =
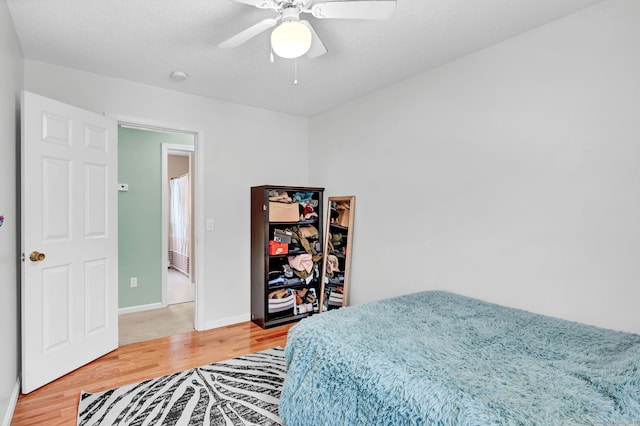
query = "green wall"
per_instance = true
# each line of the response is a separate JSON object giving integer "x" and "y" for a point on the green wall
{"x": 139, "y": 213}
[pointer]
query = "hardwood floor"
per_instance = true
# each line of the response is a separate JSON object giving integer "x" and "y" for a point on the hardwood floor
{"x": 57, "y": 402}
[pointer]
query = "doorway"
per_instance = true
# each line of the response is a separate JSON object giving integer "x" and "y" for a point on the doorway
{"x": 147, "y": 307}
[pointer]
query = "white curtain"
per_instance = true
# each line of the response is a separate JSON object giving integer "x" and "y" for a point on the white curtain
{"x": 180, "y": 223}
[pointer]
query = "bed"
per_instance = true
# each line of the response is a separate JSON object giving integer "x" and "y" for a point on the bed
{"x": 437, "y": 358}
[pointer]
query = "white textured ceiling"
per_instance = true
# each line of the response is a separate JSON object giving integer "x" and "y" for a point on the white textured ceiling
{"x": 144, "y": 40}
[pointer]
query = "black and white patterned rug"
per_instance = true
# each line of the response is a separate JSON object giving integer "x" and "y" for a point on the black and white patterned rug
{"x": 239, "y": 391}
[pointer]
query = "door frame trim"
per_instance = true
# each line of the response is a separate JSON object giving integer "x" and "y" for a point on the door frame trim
{"x": 198, "y": 201}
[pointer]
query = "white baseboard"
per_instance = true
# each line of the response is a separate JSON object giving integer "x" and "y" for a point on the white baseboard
{"x": 227, "y": 321}
{"x": 139, "y": 308}
{"x": 13, "y": 400}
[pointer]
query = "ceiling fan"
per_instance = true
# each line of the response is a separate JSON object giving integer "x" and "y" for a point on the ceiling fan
{"x": 295, "y": 37}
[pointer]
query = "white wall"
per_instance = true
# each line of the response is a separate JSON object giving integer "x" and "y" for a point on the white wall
{"x": 512, "y": 174}
{"x": 11, "y": 64}
{"x": 242, "y": 145}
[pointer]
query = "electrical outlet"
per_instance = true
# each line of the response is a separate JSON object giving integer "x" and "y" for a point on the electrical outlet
{"x": 133, "y": 281}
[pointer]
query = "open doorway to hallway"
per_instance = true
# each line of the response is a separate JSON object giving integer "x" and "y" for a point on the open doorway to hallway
{"x": 156, "y": 233}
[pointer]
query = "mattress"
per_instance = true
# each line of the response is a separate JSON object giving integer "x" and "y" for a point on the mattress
{"x": 437, "y": 358}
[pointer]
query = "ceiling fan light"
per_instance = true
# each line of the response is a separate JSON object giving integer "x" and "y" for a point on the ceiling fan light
{"x": 291, "y": 39}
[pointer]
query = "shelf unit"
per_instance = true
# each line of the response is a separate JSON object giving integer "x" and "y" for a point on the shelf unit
{"x": 273, "y": 279}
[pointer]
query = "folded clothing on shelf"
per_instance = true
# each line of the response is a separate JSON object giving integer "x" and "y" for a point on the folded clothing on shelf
{"x": 281, "y": 300}
{"x": 336, "y": 296}
{"x": 282, "y": 281}
{"x": 279, "y": 196}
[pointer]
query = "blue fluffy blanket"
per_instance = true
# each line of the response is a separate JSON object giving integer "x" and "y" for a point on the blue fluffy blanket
{"x": 436, "y": 358}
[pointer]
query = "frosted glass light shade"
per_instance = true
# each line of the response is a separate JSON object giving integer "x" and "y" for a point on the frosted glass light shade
{"x": 291, "y": 39}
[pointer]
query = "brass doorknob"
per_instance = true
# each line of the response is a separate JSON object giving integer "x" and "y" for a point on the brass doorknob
{"x": 36, "y": 256}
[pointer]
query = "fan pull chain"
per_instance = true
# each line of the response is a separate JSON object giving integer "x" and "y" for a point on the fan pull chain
{"x": 271, "y": 56}
{"x": 295, "y": 71}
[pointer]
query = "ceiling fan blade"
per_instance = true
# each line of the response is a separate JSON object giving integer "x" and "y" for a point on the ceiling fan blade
{"x": 261, "y": 4}
{"x": 248, "y": 34}
{"x": 317, "y": 47}
{"x": 354, "y": 9}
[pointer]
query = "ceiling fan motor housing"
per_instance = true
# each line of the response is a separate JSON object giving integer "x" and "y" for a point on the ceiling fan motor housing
{"x": 290, "y": 13}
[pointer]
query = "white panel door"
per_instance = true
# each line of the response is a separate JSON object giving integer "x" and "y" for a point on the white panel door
{"x": 69, "y": 239}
